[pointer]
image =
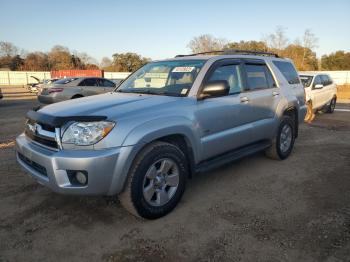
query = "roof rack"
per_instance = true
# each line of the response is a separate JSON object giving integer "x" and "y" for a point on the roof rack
{"x": 233, "y": 52}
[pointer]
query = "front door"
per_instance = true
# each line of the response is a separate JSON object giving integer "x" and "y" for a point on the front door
{"x": 221, "y": 120}
{"x": 318, "y": 97}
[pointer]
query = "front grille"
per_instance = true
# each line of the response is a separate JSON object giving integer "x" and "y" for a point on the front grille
{"x": 48, "y": 128}
{"x": 41, "y": 140}
{"x": 39, "y": 168}
{"x": 41, "y": 133}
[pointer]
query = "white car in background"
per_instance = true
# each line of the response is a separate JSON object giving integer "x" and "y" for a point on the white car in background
{"x": 320, "y": 93}
{"x": 40, "y": 84}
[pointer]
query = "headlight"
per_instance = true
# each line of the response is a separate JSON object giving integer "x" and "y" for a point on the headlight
{"x": 86, "y": 133}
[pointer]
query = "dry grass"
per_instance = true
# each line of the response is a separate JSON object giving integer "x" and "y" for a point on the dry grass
{"x": 343, "y": 92}
{"x": 7, "y": 144}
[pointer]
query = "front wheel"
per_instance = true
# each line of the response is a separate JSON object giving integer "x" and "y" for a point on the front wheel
{"x": 330, "y": 108}
{"x": 156, "y": 181}
{"x": 282, "y": 144}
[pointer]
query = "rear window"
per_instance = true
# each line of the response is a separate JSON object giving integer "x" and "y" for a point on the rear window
{"x": 288, "y": 71}
{"x": 65, "y": 81}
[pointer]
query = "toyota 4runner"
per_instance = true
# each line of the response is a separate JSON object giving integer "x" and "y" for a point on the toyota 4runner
{"x": 165, "y": 122}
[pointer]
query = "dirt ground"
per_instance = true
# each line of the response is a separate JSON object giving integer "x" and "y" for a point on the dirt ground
{"x": 255, "y": 209}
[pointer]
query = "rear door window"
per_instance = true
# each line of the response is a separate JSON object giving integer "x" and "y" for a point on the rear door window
{"x": 259, "y": 77}
{"x": 288, "y": 71}
{"x": 106, "y": 83}
{"x": 89, "y": 82}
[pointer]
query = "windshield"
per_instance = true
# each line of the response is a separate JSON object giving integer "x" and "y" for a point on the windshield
{"x": 173, "y": 78}
{"x": 306, "y": 80}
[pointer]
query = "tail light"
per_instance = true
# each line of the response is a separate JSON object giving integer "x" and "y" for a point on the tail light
{"x": 55, "y": 90}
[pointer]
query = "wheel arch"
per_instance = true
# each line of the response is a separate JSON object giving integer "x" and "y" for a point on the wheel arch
{"x": 76, "y": 96}
{"x": 292, "y": 111}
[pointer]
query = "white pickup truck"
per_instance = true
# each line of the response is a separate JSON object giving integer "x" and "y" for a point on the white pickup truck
{"x": 320, "y": 92}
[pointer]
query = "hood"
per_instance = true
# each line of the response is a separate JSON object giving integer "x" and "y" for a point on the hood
{"x": 112, "y": 105}
{"x": 37, "y": 79}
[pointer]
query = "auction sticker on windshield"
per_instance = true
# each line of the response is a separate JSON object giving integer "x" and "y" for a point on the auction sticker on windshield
{"x": 184, "y": 91}
{"x": 183, "y": 69}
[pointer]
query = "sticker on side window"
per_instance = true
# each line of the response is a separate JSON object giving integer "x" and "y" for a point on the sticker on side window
{"x": 183, "y": 69}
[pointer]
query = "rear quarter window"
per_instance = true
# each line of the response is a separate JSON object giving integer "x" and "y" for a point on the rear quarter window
{"x": 288, "y": 71}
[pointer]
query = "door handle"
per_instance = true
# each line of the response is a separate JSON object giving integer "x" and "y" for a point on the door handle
{"x": 274, "y": 93}
{"x": 244, "y": 99}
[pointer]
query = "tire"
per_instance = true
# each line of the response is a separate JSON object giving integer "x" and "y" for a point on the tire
{"x": 276, "y": 151}
{"x": 77, "y": 96}
{"x": 310, "y": 113}
{"x": 330, "y": 108}
{"x": 146, "y": 172}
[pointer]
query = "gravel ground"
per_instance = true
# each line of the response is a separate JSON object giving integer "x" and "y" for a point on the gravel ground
{"x": 255, "y": 209}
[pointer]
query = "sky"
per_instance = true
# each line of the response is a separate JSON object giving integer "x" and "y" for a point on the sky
{"x": 161, "y": 29}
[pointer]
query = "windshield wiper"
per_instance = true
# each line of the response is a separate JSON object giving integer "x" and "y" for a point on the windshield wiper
{"x": 167, "y": 93}
{"x": 134, "y": 91}
{"x": 150, "y": 92}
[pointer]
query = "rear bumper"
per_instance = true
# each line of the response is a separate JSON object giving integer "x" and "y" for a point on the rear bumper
{"x": 106, "y": 169}
{"x": 302, "y": 113}
{"x": 46, "y": 99}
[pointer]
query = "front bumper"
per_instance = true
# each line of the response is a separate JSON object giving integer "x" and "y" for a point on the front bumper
{"x": 106, "y": 169}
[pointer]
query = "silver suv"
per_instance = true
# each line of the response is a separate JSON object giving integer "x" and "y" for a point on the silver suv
{"x": 167, "y": 121}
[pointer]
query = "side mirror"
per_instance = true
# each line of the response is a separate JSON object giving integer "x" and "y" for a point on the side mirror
{"x": 318, "y": 86}
{"x": 215, "y": 89}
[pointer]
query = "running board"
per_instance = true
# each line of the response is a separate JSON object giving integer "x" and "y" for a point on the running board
{"x": 231, "y": 156}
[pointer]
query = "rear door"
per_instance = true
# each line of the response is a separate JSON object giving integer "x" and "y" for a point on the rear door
{"x": 317, "y": 94}
{"x": 89, "y": 87}
{"x": 106, "y": 85}
{"x": 261, "y": 97}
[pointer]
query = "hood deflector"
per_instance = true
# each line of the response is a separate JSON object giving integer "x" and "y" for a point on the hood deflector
{"x": 58, "y": 121}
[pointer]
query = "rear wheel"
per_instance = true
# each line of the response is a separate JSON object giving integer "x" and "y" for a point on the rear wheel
{"x": 156, "y": 181}
{"x": 283, "y": 143}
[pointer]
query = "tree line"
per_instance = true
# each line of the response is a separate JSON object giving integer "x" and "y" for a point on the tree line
{"x": 301, "y": 51}
{"x": 61, "y": 58}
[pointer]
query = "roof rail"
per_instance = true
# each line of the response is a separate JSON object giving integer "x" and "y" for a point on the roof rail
{"x": 233, "y": 52}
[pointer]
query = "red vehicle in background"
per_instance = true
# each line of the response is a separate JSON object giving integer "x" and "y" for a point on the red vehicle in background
{"x": 77, "y": 73}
